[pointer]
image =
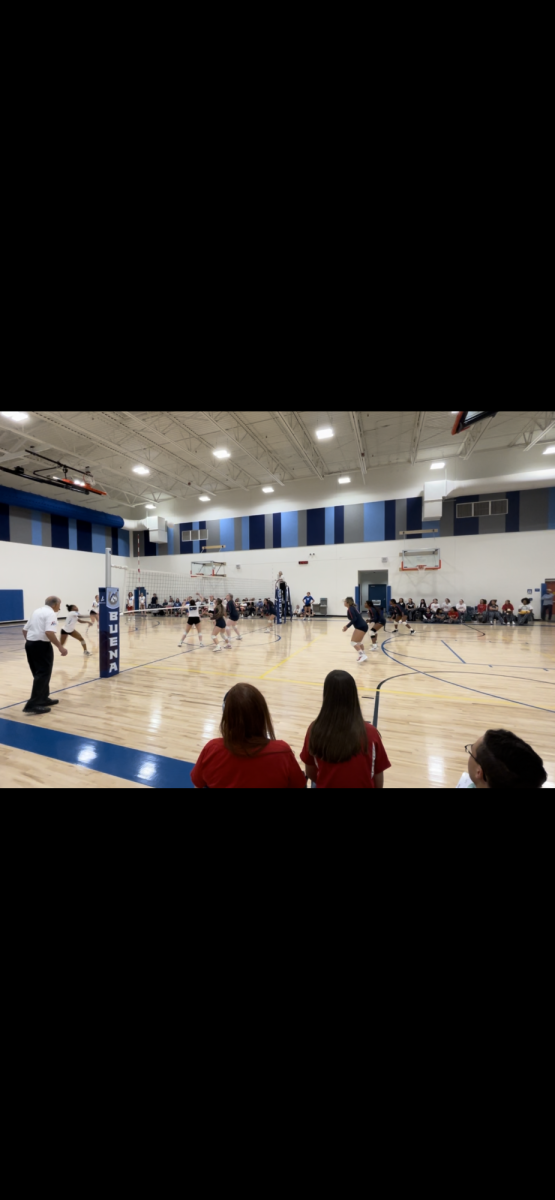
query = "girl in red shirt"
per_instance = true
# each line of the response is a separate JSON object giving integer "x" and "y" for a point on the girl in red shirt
{"x": 508, "y": 613}
{"x": 482, "y": 611}
{"x": 341, "y": 749}
{"x": 248, "y": 754}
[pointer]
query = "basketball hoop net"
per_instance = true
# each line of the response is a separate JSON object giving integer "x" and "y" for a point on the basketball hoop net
{"x": 421, "y": 567}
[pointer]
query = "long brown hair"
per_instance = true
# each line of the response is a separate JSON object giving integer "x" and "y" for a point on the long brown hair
{"x": 246, "y": 723}
{"x": 339, "y": 732}
{"x": 218, "y": 610}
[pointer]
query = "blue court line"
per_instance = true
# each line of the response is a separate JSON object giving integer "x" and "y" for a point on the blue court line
{"x": 478, "y": 691}
{"x": 138, "y": 766}
{"x": 453, "y": 651}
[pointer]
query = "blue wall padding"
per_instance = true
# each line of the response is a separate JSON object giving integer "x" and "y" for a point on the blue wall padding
{"x": 49, "y": 505}
{"x": 257, "y": 533}
{"x": 390, "y": 532}
{"x": 464, "y": 526}
{"x": 151, "y": 547}
{"x": 11, "y": 605}
{"x": 512, "y": 520}
{"x": 339, "y": 524}
{"x": 60, "y": 532}
{"x": 277, "y": 531}
{"x": 4, "y": 523}
{"x": 316, "y": 527}
{"x": 551, "y": 508}
{"x": 414, "y": 515}
{"x": 227, "y": 533}
{"x": 84, "y": 536}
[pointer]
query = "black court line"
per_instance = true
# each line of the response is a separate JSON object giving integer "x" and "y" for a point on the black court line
{"x": 378, "y": 689}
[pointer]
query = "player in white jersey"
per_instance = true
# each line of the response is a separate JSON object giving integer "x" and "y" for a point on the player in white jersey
{"x": 94, "y": 611}
{"x": 142, "y": 604}
{"x": 193, "y": 620}
{"x": 73, "y": 618}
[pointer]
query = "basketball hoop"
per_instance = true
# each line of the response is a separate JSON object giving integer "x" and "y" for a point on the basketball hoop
{"x": 421, "y": 567}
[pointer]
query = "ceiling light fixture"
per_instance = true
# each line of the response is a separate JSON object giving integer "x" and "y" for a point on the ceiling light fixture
{"x": 436, "y": 466}
{"x": 205, "y": 499}
{"x": 268, "y": 489}
{"x": 550, "y": 449}
{"x": 321, "y": 434}
{"x": 141, "y": 471}
{"x": 221, "y": 454}
{"x": 150, "y": 506}
{"x": 16, "y": 416}
{"x": 344, "y": 479}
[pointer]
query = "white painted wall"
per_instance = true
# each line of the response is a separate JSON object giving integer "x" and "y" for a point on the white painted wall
{"x": 41, "y": 571}
{"x": 503, "y": 566}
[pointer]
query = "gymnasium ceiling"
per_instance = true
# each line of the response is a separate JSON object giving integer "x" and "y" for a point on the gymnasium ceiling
{"x": 265, "y": 448}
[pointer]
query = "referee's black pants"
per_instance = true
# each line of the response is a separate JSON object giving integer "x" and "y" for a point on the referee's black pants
{"x": 40, "y": 656}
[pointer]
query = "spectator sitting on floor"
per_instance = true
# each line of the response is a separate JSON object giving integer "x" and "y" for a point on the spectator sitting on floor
{"x": 500, "y": 759}
{"x": 411, "y": 609}
{"x": 525, "y": 613}
{"x": 461, "y": 609}
{"x": 436, "y": 610}
{"x": 508, "y": 613}
{"x": 423, "y": 610}
{"x": 493, "y": 613}
{"x": 341, "y": 749}
{"x": 482, "y": 611}
{"x": 453, "y": 615}
{"x": 247, "y": 755}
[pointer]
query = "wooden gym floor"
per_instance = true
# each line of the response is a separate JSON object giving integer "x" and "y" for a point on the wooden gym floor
{"x": 429, "y": 695}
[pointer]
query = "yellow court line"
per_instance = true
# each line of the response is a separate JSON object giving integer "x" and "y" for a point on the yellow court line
{"x": 294, "y": 655}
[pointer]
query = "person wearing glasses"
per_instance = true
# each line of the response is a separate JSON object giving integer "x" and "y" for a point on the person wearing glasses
{"x": 500, "y": 759}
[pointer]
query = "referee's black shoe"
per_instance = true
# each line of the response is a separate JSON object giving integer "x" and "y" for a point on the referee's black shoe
{"x": 36, "y": 711}
{"x": 51, "y": 701}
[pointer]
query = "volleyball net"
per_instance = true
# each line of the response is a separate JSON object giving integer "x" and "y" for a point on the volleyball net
{"x": 164, "y": 589}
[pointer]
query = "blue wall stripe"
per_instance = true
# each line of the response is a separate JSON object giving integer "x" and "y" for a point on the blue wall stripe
{"x": 374, "y": 521}
{"x": 245, "y": 533}
{"x": 339, "y": 524}
{"x": 315, "y": 526}
{"x": 463, "y": 526}
{"x": 330, "y": 526}
{"x": 123, "y": 543}
{"x": 150, "y": 547}
{"x": 551, "y": 510}
{"x": 414, "y": 516}
{"x": 512, "y": 520}
{"x": 98, "y": 540}
{"x": 428, "y": 525}
{"x": 4, "y": 523}
{"x": 136, "y": 765}
{"x": 37, "y": 532}
{"x": 277, "y": 531}
{"x": 289, "y": 529}
{"x": 60, "y": 533}
{"x": 72, "y": 534}
{"x": 227, "y": 533}
{"x": 257, "y": 533}
{"x": 389, "y": 523}
{"x": 170, "y": 539}
{"x": 84, "y": 536}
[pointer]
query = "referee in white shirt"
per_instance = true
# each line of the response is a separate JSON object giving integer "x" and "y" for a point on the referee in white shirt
{"x": 41, "y": 635}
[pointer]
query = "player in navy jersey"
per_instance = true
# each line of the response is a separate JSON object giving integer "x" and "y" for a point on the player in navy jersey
{"x": 270, "y": 613}
{"x": 360, "y": 628}
{"x": 377, "y": 620}
{"x": 398, "y": 611}
{"x": 308, "y": 601}
{"x": 232, "y": 615}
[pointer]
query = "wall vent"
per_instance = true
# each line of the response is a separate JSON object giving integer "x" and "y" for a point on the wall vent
{"x": 483, "y": 508}
{"x": 194, "y": 535}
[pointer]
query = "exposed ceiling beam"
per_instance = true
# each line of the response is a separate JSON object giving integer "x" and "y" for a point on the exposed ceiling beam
{"x": 242, "y": 478}
{"x": 416, "y": 435}
{"x": 475, "y": 434}
{"x": 531, "y": 423}
{"x": 242, "y": 436}
{"x": 297, "y": 434}
{"x": 360, "y": 442}
{"x": 538, "y": 436}
{"x": 198, "y": 477}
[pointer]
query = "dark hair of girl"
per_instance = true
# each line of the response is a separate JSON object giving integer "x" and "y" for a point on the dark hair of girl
{"x": 70, "y": 607}
{"x": 339, "y": 732}
{"x": 246, "y": 723}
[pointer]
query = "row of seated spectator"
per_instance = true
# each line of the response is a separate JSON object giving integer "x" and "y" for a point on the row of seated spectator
{"x": 341, "y": 749}
{"x": 455, "y": 613}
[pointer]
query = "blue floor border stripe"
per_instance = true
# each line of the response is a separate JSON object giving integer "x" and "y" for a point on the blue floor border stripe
{"x": 138, "y": 766}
